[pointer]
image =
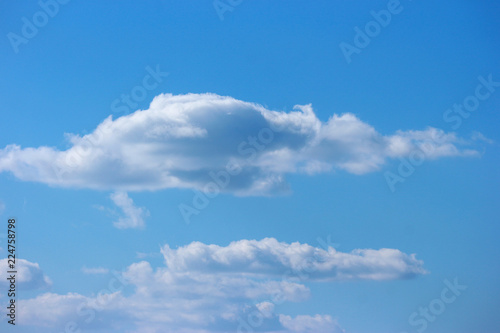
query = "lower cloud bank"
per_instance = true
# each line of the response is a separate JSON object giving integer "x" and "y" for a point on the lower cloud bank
{"x": 211, "y": 288}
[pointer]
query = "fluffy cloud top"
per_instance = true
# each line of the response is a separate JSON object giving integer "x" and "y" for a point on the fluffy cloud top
{"x": 187, "y": 141}
{"x": 29, "y": 275}
{"x": 94, "y": 270}
{"x": 208, "y": 288}
{"x": 268, "y": 257}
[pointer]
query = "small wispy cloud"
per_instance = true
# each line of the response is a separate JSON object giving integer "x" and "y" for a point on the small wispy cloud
{"x": 144, "y": 255}
{"x": 94, "y": 271}
{"x": 133, "y": 216}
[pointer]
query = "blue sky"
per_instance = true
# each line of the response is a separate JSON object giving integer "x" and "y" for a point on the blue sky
{"x": 357, "y": 173}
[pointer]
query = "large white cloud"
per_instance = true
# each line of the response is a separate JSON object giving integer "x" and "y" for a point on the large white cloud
{"x": 189, "y": 140}
{"x": 209, "y": 288}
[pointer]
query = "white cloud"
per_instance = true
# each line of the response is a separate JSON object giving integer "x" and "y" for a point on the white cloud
{"x": 95, "y": 270}
{"x": 310, "y": 324}
{"x": 266, "y": 308}
{"x": 29, "y": 275}
{"x": 219, "y": 296}
{"x": 133, "y": 216}
{"x": 184, "y": 141}
{"x": 268, "y": 257}
{"x": 2, "y": 207}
